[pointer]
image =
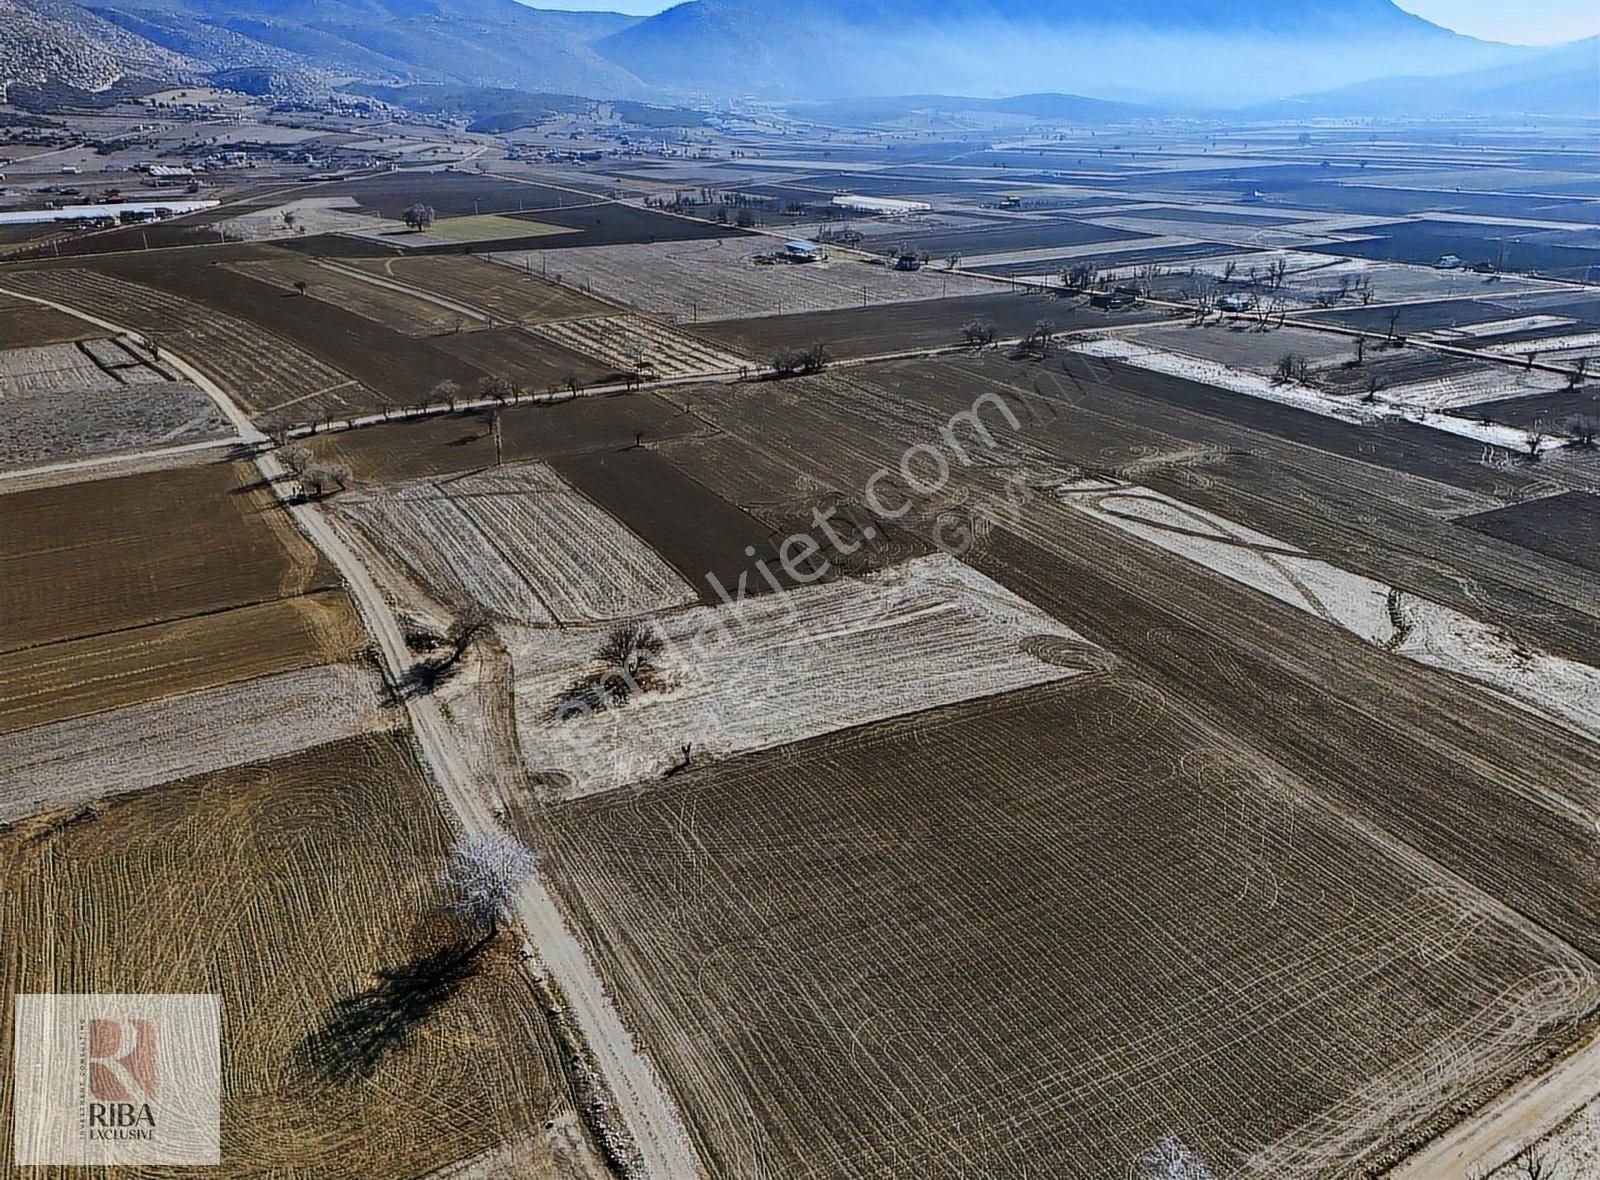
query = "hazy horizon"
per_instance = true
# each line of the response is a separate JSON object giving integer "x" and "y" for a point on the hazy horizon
{"x": 1544, "y": 22}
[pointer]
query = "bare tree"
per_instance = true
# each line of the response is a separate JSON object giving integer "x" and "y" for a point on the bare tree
{"x": 419, "y": 216}
{"x": 1530, "y": 1163}
{"x": 1292, "y": 367}
{"x": 1394, "y": 322}
{"x": 1171, "y": 1159}
{"x": 1361, "y": 350}
{"x": 1580, "y": 370}
{"x": 483, "y": 875}
{"x": 1583, "y": 428}
{"x": 980, "y": 333}
{"x": 445, "y": 391}
{"x": 1042, "y": 337}
{"x": 625, "y": 666}
{"x": 501, "y": 389}
{"x": 301, "y": 286}
{"x": 426, "y": 675}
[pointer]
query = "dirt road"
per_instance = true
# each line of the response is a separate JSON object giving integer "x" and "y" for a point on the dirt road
{"x": 1524, "y": 1114}
{"x": 641, "y": 1102}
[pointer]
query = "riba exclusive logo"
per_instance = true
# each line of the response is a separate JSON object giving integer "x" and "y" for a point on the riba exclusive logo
{"x": 117, "y": 1079}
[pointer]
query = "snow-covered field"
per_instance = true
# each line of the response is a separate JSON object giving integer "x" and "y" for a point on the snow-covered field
{"x": 71, "y": 762}
{"x": 784, "y": 667}
{"x": 1560, "y": 689}
{"x": 1208, "y": 372}
{"x": 1495, "y": 381}
{"x": 1548, "y": 344}
{"x": 520, "y": 542}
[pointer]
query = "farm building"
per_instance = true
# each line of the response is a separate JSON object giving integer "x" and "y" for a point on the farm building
{"x": 885, "y": 206}
{"x": 800, "y": 250}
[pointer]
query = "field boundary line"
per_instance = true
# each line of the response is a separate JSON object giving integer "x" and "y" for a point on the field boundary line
{"x": 126, "y": 458}
{"x": 395, "y": 284}
{"x": 1522, "y": 1114}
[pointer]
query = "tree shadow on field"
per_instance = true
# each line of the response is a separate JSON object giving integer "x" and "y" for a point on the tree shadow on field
{"x": 364, "y": 1028}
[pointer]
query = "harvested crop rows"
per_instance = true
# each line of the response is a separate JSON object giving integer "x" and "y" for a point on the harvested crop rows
{"x": 77, "y": 677}
{"x": 719, "y": 279}
{"x": 636, "y": 344}
{"x": 522, "y": 544}
{"x": 963, "y": 930}
{"x": 499, "y": 291}
{"x": 145, "y": 549}
{"x": 776, "y": 670}
{"x": 330, "y": 860}
{"x": 260, "y": 369}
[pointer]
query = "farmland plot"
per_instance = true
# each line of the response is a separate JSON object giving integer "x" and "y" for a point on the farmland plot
{"x": 783, "y": 667}
{"x": 403, "y": 313}
{"x": 145, "y": 549}
{"x": 719, "y": 279}
{"x": 636, "y": 344}
{"x": 65, "y": 402}
{"x": 521, "y": 543}
{"x": 1431, "y": 634}
{"x": 24, "y": 323}
{"x": 81, "y": 676}
{"x": 263, "y": 371}
{"x": 496, "y": 290}
{"x": 68, "y": 763}
{"x": 284, "y": 886}
{"x": 1037, "y": 935}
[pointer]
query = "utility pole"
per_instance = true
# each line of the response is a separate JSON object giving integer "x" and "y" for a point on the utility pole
{"x": 497, "y": 439}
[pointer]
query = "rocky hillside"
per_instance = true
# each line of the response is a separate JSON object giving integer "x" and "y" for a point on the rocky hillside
{"x": 53, "y": 42}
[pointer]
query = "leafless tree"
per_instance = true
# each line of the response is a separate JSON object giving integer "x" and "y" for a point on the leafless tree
{"x": 427, "y": 674}
{"x": 1580, "y": 370}
{"x": 301, "y": 286}
{"x": 483, "y": 875}
{"x": 445, "y": 391}
{"x": 1228, "y": 270}
{"x": 1043, "y": 337}
{"x": 980, "y": 333}
{"x": 625, "y": 666}
{"x": 419, "y": 216}
{"x": 1394, "y": 322}
{"x": 1292, "y": 367}
{"x": 501, "y": 389}
{"x": 1171, "y": 1159}
{"x": 1531, "y": 1163}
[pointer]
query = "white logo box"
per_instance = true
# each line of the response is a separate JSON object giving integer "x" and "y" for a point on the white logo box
{"x": 117, "y": 1079}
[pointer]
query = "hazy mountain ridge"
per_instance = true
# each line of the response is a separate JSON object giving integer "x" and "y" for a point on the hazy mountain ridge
{"x": 1560, "y": 81}
{"x": 479, "y": 42}
{"x": 1203, "y": 53}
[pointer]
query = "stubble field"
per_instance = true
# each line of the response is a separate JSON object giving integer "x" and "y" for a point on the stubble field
{"x": 285, "y": 886}
{"x": 1042, "y": 935}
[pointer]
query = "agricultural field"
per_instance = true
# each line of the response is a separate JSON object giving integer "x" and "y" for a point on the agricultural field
{"x": 264, "y": 371}
{"x": 490, "y": 227}
{"x": 79, "y": 677}
{"x": 852, "y": 333}
{"x": 519, "y": 542}
{"x": 1158, "y": 746}
{"x": 495, "y": 291}
{"x": 318, "y": 870}
{"x": 392, "y": 308}
{"x": 780, "y": 669}
{"x": 146, "y": 549}
{"x": 818, "y": 921}
{"x": 720, "y": 279}
{"x": 96, "y": 397}
{"x": 23, "y": 323}
{"x": 465, "y": 442}
{"x": 637, "y": 344}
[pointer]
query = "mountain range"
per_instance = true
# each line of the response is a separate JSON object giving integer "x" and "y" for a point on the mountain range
{"x": 1353, "y": 55}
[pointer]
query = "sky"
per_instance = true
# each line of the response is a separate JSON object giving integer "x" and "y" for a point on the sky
{"x": 1530, "y": 22}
